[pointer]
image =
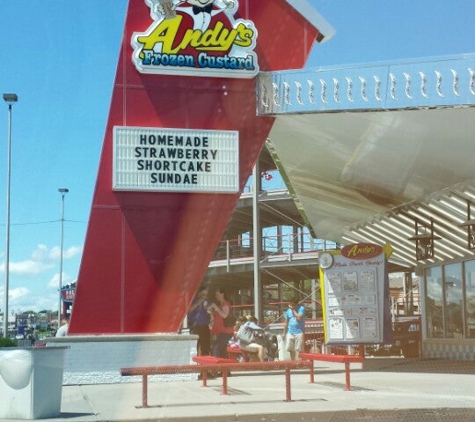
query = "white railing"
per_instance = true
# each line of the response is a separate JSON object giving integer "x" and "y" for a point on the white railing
{"x": 285, "y": 244}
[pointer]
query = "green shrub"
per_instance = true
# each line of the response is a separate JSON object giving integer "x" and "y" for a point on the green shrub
{"x": 7, "y": 342}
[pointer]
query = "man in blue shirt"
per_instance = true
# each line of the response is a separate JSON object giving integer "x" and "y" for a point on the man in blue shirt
{"x": 199, "y": 321}
{"x": 294, "y": 328}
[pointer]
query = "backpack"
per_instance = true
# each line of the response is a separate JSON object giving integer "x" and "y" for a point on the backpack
{"x": 245, "y": 334}
{"x": 260, "y": 337}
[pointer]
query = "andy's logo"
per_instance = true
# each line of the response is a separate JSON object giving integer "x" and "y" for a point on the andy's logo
{"x": 361, "y": 251}
{"x": 196, "y": 38}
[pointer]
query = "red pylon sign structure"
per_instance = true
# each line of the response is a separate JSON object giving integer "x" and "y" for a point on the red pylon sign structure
{"x": 146, "y": 252}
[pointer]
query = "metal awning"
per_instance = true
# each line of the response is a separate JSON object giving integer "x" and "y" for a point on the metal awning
{"x": 375, "y": 150}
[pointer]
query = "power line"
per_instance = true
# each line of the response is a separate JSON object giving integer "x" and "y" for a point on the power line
{"x": 46, "y": 222}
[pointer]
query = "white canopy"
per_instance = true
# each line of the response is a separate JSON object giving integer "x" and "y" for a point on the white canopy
{"x": 372, "y": 149}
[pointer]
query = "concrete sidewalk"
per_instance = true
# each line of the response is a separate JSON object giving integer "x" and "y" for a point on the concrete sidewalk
{"x": 382, "y": 390}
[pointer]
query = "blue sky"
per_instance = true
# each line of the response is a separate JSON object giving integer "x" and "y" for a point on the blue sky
{"x": 60, "y": 58}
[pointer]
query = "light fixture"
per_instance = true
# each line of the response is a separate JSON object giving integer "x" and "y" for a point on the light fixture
{"x": 10, "y": 99}
{"x": 424, "y": 238}
{"x": 470, "y": 225}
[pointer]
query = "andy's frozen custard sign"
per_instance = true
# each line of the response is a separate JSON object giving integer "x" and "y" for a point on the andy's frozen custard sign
{"x": 196, "y": 38}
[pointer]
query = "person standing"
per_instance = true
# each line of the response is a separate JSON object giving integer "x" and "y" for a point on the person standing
{"x": 221, "y": 333}
{"x": 199, "y": 320}
{"x": 294, "y": 328}
{"x": 63, "y": 329}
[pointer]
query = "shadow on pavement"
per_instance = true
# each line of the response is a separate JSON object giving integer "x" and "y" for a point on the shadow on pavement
{"x": 409, "y": 415}
{"x": 415, "y": 365}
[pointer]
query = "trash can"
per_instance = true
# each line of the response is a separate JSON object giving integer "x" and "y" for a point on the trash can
{"x": 31, "y": 382}
{"x": 283, "y": 353}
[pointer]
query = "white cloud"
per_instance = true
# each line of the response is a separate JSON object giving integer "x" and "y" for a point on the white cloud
{"x": 72, "y": 252}
{"x": 22, "y": 300}
{"x": 54, "y": 253}
{"x": 29, "y": 267}
{"x": 41, "y": 253}
{"x": 18, "y": 293}
{"x": 54, "y": 282}
{"x": 42, "y": 259}
{"x": 33, "y": 285}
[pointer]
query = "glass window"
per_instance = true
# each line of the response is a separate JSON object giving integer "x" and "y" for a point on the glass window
{"x": 434, "y": 302}
{"x": 470, "y": 299}
{"x": 453, "y": 301}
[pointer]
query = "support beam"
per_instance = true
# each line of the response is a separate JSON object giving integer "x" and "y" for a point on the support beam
{"x": 257, "y": 244}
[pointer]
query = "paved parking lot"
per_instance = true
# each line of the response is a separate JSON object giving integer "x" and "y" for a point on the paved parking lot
{"x": 382, "y": 390}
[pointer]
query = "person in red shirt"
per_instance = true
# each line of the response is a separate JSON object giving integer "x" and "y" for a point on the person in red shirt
{"x": 221, "y": 334}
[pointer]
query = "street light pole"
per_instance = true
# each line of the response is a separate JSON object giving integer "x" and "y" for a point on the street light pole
{"x": 63, "y": 192}
{"x": 10, "y": 99}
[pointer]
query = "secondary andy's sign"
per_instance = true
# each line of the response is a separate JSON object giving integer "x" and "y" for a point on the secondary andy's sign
{"x": 196, "y": 38}
{"x": 355, "y": 292}
{"x": 175, "y": 160}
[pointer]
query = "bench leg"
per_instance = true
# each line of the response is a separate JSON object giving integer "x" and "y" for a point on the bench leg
{"x": 224, "y": 389}
{"x": 287, "y": 385}
{"x": 347, "y": 376}
{"x": 204, "y": 378}
{"x": 144, "y": 391}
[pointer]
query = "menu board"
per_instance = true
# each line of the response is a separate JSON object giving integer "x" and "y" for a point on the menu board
{"x": 354, "y": 286}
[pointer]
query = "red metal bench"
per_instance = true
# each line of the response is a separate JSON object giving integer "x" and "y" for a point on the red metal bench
{"x": 225, "y": 366}
{"x": 236, "y": 353}
{"x": 346, "y": 359}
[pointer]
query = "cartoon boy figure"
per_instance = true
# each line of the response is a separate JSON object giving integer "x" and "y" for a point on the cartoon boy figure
{"x": 202, "y": 13}
{"x": 202, "y": 34}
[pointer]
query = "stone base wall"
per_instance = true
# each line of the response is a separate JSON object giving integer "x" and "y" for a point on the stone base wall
{"x": 451, "y": 349}
{"x": 98, "y": 359}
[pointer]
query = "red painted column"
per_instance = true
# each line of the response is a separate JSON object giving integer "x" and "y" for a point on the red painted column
{"x": 347, "y": 376}
{"x": 146, "y": 253}
{"x": 288, "y": 388}
{"x": 144, "y": 391}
